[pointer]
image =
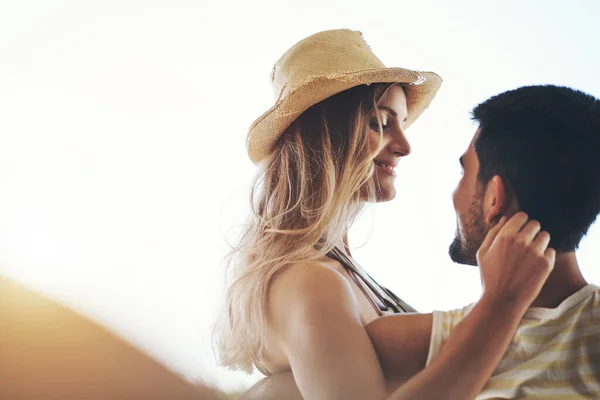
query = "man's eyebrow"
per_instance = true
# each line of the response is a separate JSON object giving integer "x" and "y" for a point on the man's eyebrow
{"x": 461, "y": 161}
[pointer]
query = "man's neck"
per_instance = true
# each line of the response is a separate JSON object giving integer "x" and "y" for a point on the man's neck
{"x": 564, "y": 280}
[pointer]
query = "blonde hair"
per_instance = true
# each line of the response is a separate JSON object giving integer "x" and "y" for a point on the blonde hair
{"x": 306, "y": 196}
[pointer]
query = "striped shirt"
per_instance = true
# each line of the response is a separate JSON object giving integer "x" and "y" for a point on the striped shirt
{"x": 555, "y": 353}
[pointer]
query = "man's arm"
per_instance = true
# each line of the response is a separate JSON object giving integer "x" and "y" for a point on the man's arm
{"x": 401, "y": 342}
{"x": 514, "y": 264}
{"x": 274, "y": 387}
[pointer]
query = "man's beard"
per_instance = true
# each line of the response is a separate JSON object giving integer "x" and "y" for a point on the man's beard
{"x": 463, "y": 249}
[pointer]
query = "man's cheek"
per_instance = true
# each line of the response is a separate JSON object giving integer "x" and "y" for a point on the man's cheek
{"x": 455, "y": 199}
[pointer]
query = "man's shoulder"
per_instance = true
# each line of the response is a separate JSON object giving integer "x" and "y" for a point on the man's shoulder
{"x": 452, "y": 316}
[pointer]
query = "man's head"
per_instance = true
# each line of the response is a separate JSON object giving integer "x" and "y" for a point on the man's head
{"x": 537, "y": 150}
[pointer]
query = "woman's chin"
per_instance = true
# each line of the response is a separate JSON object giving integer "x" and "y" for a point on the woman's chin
{"x": 385, "y": 194}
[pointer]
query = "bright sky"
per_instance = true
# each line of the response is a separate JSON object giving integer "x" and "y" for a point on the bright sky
{"x": 122, "y": 147}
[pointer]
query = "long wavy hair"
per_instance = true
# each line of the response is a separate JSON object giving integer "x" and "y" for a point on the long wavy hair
{"x": 305, "y": 198}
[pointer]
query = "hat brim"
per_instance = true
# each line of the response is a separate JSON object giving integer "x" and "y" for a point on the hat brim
{"x": 266, "y": 130}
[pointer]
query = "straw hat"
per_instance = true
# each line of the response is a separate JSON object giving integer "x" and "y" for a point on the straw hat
{"x": 322, "y": 65}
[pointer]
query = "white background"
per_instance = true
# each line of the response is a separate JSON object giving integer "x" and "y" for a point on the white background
{"x": 122, "y": 145}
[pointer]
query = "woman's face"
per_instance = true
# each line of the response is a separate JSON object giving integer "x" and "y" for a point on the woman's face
{"x": 393, "y": 114}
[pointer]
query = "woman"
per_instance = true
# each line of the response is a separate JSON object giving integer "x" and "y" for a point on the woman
{"x": 299, "y": 302}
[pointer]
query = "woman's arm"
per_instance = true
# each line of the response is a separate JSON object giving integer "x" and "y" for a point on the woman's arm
{"x": 332, "y": 357}
{"x": 465, "y": 363}
{"x": 313, "y": 315}
{"x": 514, "y": 264}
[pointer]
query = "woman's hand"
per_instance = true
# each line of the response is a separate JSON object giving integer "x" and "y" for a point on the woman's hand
{"x": 515, "y": 261}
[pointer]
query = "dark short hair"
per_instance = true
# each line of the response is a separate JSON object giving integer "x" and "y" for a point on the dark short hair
{"x": 544, "y": 141}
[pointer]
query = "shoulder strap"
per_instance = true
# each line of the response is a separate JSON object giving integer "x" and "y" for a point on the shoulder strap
{"x": 385, "y": 296}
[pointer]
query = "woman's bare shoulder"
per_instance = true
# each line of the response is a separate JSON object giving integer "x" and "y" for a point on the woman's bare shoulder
{"x": 301, "y": 301}
{"x": 309, "y": 281}
{"x": 306, "y": 292}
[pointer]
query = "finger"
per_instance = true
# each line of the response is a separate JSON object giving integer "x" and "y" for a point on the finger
{"x": 491, "y": 235}
{"x": 550, "y": 255}
{"x": 530, "y": 230}
{"x": 515, "y": 223}
{"x": 540, "y": 242}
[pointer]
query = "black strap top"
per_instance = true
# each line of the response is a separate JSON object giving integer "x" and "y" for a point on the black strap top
{"x": 382, "y": 299}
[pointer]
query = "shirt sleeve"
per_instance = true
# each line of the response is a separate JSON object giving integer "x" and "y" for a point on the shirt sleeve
{"x": 442, "y": 325}
{"x": 437, "y": 335}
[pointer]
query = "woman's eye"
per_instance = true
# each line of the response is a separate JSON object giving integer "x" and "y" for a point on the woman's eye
{"x": 375, "y": 124}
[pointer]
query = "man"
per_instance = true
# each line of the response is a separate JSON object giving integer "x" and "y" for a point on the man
{"x": 49, "y": 352}
{"x": 536, "y": 150}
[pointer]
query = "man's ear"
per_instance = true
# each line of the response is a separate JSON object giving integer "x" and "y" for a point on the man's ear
{"x": 496, "y": 200}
